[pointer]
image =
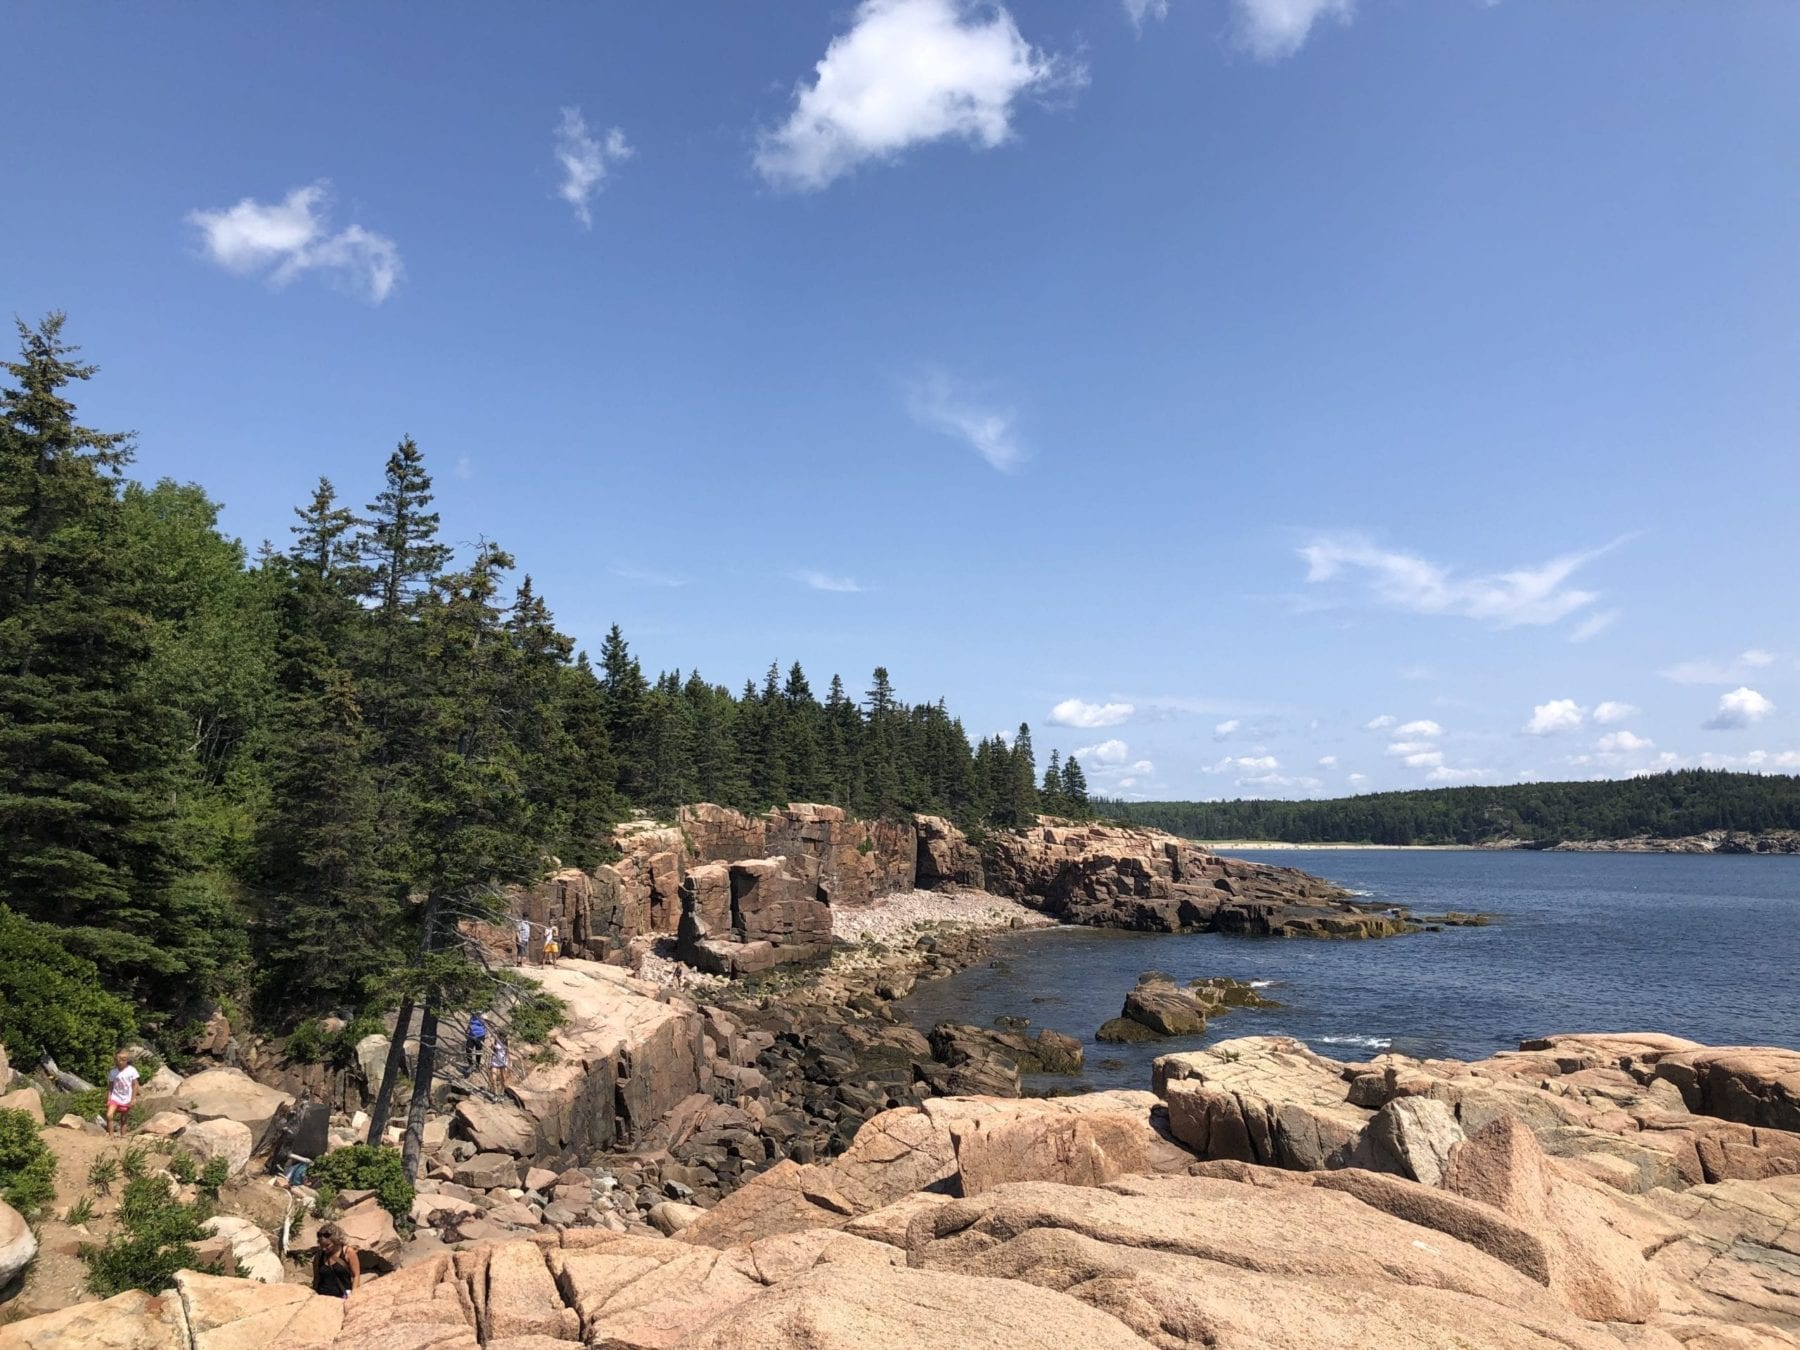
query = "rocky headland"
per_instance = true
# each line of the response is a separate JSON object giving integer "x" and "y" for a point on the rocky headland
{"x": 1713, "y": 841}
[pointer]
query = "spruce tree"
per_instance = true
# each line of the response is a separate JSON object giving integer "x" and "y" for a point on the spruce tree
{"x": 1075, "y": 789}
{"x": 88, "y": 758}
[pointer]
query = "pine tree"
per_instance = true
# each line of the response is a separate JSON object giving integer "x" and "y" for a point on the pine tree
{"x": 88, "y": 759}
{"x": 1050, "y": 795}
{"x": 624, "y": 693}
{"x": 1075, "y": 789}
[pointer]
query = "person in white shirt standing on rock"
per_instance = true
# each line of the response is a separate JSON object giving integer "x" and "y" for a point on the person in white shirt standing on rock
{"x": 524, "y": 936}
{"x": 121, "y": 1091}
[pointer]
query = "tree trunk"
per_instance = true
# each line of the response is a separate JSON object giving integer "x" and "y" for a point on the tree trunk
{"x": 378, "y": 1113}
{"x": 413, "y": 1149}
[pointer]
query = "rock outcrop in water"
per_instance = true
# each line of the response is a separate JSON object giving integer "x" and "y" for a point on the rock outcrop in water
{"x": 747, "y": 893}
{"x": 1565, "y": 1196}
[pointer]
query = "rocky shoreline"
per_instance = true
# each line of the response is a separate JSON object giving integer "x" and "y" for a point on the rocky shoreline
{"x": 1778, "y": 842}
{"x": 1585, "y": 1191}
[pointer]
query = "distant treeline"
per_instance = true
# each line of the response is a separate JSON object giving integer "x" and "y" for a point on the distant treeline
{"x": 1662, "y": 806}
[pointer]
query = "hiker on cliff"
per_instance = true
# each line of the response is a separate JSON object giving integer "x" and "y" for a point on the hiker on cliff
{"x": 121, "y": 1091}
{"x": 475, "y": 1041}
{"x": 497, "y": 1062}
{"x": 552, "y": 946}
{"x": 524, "y": 939}
{"x": 336, "y": 1271}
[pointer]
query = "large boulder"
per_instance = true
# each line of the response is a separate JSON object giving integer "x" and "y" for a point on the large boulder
{"x": 26, "y": 1099}
{"x": 1077, "y": 1150}
{"x": 522, "y": 1298}
{"x": 1755, "y": 1085}
{"x": 230, "y": 1314}
{"x": 840, "y": 1306}
{"x": 220, "y": 1138}
{"x": 1595, "y": 1270}
{"x": 133, "y": 1320}
{"x": 1166, "y": 1009}
{"x": 18, "y": 1244}
{"x": 488, "y": 1172}
{"x": 495, "y": 1127}
{"x": 1261, "y": 1099}
{"x": 250, "y": 1247}
{"x": 370, "y": 1229}
{"x": 231, "y": 1094}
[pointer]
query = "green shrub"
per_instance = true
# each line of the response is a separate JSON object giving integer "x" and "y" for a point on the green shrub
{"x": 135, "y": 1162}
{"x": 52, "y": 1002}
{"x": 309, "y": 1043}
{"x": 363, "y": 1167}
{"x": 306, "y": 1043}
{"x": 82, "y": 1211}
{"x": 535, "y": 1016}
{"x": 181, "y": 1167}
{"x": 87, "y": 1105}
{"x": 217, "y": 1172}
{"x": 103, "y": 1173}
{"x": 27, "y": 1167}
{"x": 155, "y": 1238}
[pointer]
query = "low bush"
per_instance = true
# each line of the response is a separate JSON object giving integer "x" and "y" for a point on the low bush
{"x": 27, "y": 1167}
{"x": 155, "y": 1238}
{"x": 216, "y": 1173}
{"x": 53, "y": 1002}
{"x": 181, "y": 1167}
{"x": 535, "y": 1016}
{"x": 363, "y": 1167}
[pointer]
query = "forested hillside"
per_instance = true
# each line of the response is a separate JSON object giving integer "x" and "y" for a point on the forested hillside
{"x": 1664, "y": 806}
{"x": 284, "y": 778}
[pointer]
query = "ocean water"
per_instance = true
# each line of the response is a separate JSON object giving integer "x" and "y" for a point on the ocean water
{"x": 1698, "y": 946}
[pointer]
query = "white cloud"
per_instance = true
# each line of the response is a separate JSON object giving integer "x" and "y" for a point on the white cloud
{"x": 1610, "y": 711}
{"x": 1524, "y": 595}
{"x": 1272, "y": 29}
{"x": 1381, "y": 723}
{"x": 1446, "y": 775}
{"x": 1143, "y": 766}
{"x": 1763, "y": 761}
{"x": 1328, "y": 761}
{"x": 1107, "y": 752}
{"x": 1409, "y": 747}
{"x": 1561, "y": 714}
{"x": 1732, "y": 671}
{"x": 824, "y": 581}
{"x": 1622, "y": 742}
{"x": 585, "y": 158}
{"x": 1245, "y": 764}
{"x": 286, "y": 239}
{"x": 464, "y": 468}
{"x": 1277, "y": 780}
{"x": 1425, "y": 759}
{"x": 1073, "y": 712}
{"x": 648, "y": 577}
{"x": 1594, "y": 625}
{"x": 907, "y": 73}
{"x": 1356, "y": 778}
{"x": 1738, "y": 709}
{"x": 1423, "y": 727}
{"x": 940, "y": 403}
{"x": 1139, "y": 10}
{"x": 1225, "y": 728}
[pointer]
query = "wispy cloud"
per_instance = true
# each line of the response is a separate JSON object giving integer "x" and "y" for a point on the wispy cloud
{"x": 464, "y": 468}
{"x": 1538, "y": 594}
{"x": 1382, "y": 723}
{"x": 585, "y": 160}
{"x": 1139, "y": 10}
{"x": 1444, "y": 774}
{"x": 1622, "y": 742}
{"x": 645, "y": 576}
{"x": 952, "y": 409}
{"x": 1594, "y": 625}
{"x": 1738, "y": 709}
{"x": 1106, "y": 752}
{"x": 1075, "y": 712}
{"x": 1559, "y": 714}
{"x": 1423, "y": 727}
{"x": 287, "y": 239}
{"x": 909, "y": 72}
{"x": 1613, "y": 711}
{"x": 1729, "y": 671}
{"x": 1272, "y": 29}
{"x": 824, "y": 581}
{"x": 1223, "y": 729}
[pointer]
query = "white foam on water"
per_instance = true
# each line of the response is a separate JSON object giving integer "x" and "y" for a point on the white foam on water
{"x": 1365, "y": 1042}
{"x": 1261, "y": 984}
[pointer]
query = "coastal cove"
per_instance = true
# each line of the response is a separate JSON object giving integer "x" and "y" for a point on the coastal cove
{"x": 1703, "y": 947}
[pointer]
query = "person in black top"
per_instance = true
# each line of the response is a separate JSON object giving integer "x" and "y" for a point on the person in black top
{"x": 336, "y": 1271}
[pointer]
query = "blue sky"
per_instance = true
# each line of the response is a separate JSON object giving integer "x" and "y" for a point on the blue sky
{"x": 1264, "y": 397}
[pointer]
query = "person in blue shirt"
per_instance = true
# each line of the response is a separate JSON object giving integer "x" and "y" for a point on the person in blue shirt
{"x": 477, "y": 1039}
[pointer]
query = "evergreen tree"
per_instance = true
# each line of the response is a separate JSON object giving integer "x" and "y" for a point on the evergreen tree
{"x": 1074, "y": 788}
{"x": 88, "y": 759}
{"x": 1050, "y": 795}
{"x": 624, "y": 694}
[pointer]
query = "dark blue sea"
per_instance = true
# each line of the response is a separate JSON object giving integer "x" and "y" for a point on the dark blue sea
{"x": 1706, "y": 947}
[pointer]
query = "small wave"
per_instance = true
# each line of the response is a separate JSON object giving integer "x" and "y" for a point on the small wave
{"x": 1351, "y": 890}
{"x": 1260, "y": 984}
{"x": 1365, "y": 1042}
